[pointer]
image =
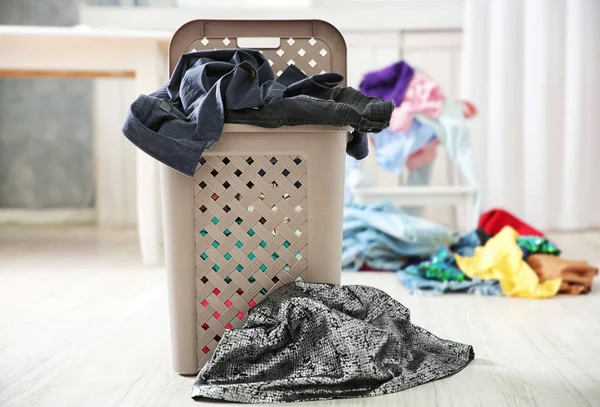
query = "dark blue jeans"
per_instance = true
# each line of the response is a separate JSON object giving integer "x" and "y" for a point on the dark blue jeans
{"x": 178, "y": 122}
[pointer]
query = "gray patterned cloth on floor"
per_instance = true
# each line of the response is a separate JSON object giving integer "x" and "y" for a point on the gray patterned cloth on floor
{"x": 322, "y": 341}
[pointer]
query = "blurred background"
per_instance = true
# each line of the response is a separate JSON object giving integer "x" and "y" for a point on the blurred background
{"x": 531, "y": 68}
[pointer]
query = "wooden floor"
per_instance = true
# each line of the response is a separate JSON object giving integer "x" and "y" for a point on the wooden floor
{"x": 82, "y": 323}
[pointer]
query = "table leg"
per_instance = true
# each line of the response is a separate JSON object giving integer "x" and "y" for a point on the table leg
{"x": 150, "y": 75}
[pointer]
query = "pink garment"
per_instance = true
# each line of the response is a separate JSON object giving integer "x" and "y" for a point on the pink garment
{"x": 423, "y": 156}
{"x": 468, "y": 108}
{"x": 423, "y": 96}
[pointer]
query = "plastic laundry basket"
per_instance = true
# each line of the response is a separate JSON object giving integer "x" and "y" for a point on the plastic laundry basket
{"x": 264, "y": 206}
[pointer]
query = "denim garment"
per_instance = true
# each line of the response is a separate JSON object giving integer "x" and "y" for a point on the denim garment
{"x": 380, "y": 235}
{"x": 453, "y": 132}
{"x": 178, "y": 122}
{"x": 389, "y": 83}
{"x": 422, "y": 287}
{"x": 468, "y": 242}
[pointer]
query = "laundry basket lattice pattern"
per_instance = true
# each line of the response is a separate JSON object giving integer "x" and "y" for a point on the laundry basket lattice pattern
{"x": 311, "y": 55}
{"x": 251, "y": 236}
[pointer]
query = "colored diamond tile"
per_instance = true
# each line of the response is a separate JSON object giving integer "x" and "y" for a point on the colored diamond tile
{"x": 215, "y": 220}
{"x": 204, "y": 256}
{"x": 227, "y": 256}
{"x": 216, "y": 268}
{"x": 240, "y": 315}
{"x": 227, "y": 279}
{"x": 263, "y": 291}
{"x": 251, "y": 256}
{"x": 251, "y": 232}
{"x": 228, "y": 326}
{"x": 251, "y": 279}
{"x": 216, "y": 244}
{"x": 286, "y": 244}
{"x": 239, "y": 244}
{"x": 206, "y": 349}
{"x": 252, "y": 303}
{"x": 203, "y": 232}
{"x": 239, "y": 268}
{"x": 204, "y": 303}
{"x": 228, "y": 303}
{"x": 205, "y": 326}
{"x": 216, "y": 291}
{"x": 227, "y": 232}
{"x": 217, "y": 315}
{"x": 263, "y": 268}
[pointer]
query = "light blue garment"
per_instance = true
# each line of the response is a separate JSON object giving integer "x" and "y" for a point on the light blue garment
{"x": 418, "y": 177}
{"x": 380, "y": 235}
{"x": 467, "y": 243}
{"x": 355, "y": 176}
{"x": 392, "y": 148}
{"x": 423, "y": 287}
{"x": 451, "y": 128}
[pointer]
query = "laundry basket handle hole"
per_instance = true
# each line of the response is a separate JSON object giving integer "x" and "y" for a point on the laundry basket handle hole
{"x": 259, "y": 42}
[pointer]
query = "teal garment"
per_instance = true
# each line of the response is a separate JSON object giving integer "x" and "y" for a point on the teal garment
{"x": 440, "y": 266}
{"x": 451, "y": 128}
{"x": 537, "y": 245}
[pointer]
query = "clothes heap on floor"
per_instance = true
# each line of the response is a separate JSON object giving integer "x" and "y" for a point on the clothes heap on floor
{"x": 305, "y": 341}
{"x": 503, "y": 256}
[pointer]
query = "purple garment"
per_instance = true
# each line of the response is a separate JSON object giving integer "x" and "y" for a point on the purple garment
{"x": 389, "y": 83}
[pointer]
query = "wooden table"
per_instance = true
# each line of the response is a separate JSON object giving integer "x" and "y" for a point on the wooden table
{"x": 88, "y": 53}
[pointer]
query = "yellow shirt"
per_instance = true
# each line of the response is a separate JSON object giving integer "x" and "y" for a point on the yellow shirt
{"x": 502, "y": 259}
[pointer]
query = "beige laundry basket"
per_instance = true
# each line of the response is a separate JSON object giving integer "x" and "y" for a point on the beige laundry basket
{"x": 264, "y": 206}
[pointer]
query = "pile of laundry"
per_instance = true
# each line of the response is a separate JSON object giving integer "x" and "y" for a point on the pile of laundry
{"x": 503, "y": 256}
{"x": 423, "y": 119}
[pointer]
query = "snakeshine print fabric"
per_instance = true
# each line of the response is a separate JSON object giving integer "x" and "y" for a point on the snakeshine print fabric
{"x": 536, "y": 245}
{"x": 321, "y": 341}
{"x": 440, "y": 266}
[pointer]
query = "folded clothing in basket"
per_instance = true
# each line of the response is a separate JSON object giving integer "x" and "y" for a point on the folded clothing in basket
{"x": 179, "y": 121}
{"x": 321, "y": 341}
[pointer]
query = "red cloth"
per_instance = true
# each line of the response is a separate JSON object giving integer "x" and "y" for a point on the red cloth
{"x": 494, "y": 220}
